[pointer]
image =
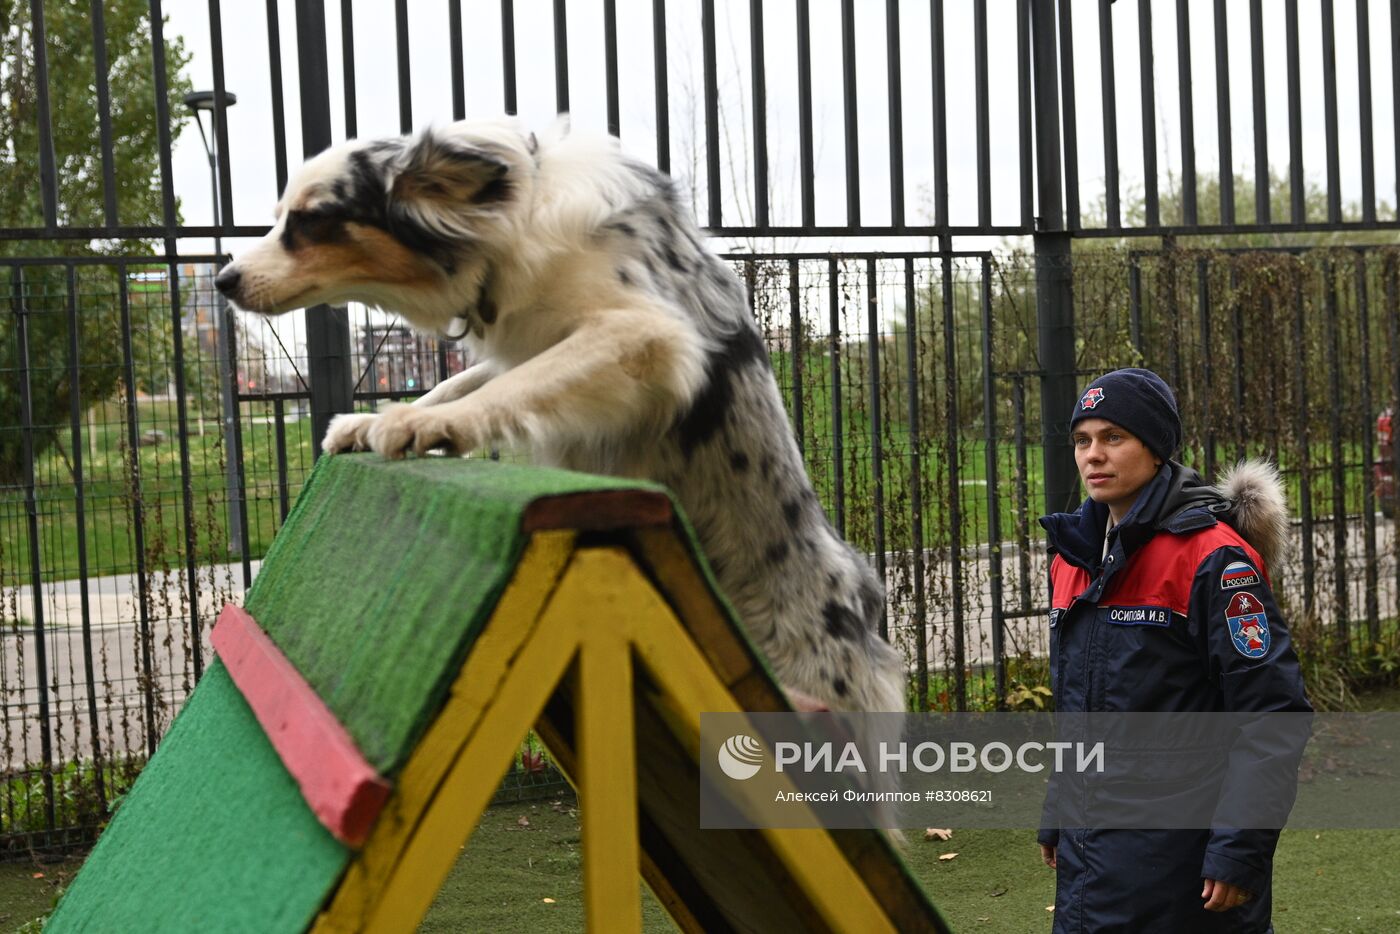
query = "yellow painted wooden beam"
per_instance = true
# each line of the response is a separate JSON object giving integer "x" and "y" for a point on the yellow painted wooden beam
{"x": 594, "y": 612}
{"x": 469, "y": 701}
{"x": 608, "y": 782}
{"x": 618, "y": 595}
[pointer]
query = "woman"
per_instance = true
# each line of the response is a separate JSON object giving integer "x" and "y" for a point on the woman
{"x": 1205, "y": 636}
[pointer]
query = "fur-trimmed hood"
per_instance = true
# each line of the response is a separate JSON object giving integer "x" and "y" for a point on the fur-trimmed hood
{"x": 1258, "y": 510}
{"x": 1249, "y": 498}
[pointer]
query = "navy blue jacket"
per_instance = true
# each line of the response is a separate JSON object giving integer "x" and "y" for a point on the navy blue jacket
{"x": 1177, "y": 617}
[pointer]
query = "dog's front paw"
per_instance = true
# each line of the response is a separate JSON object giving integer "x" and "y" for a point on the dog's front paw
{"x": 400, "y": 429}
{"x": 348, "y": 432}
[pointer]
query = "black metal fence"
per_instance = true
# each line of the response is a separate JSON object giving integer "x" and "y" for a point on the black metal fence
{"x": 151, "y": 441}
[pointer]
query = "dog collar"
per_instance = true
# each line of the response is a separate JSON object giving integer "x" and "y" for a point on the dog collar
{"x": 450, "y": 333}
{"x": 478, "y": 314}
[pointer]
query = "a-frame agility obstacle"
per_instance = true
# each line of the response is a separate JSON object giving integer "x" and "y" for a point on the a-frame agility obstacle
{"x": 410, "y": 624}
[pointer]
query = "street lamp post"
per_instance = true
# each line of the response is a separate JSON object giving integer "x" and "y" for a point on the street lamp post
{"x": 200, "y": 102}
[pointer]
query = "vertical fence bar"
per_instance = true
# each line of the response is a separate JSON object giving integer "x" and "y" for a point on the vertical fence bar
{"x": 1329, "y": 109}
{"x": 939, "y": 89}
{"x": 279, "y": 414}
{"x": 990, "y": 439}
{"x": 711, "y": 82}
{"x": 1053, "y": 276}
{"x": 1368, "y": 506}
{"x": 955, "y": 517}
{"x": 234, "y": 436}
{"x": 1110, "y": 115}
{"x": 610, "y": 66}
{"x": 404, "y": 65}
{"x": 1237, "y": 377}
{"x": 1334, "y": 411}
{"x": 894, "y": 81}
{"x": 1222, "y": 115}
{"x": 1023, "y": 493}
{"x": 220, "y": 116}
{"x": 916, "y": 485}
{"x": 804, "y": 113}
{"x": 1300, "y": 377}
{"x": 19, "y": 308}
{"x": 104, "y": 114}
{"x": 1392, "y": 321}
{"x": 1296, "y": 183}
{"x": 877, "y": 425}
{"x": 796, "y": 348}
{"x": 1070, "y": 118}
{"x": 1169, "y": 272}
{"x": 1028, "y": 107}
{"x": 48, "y": 167}
{"x": 169, "y": 217}
{"x": 327, "y": 328}
{"x": 1203, "y": 302}
{"x": 347, "y": 61}
{"x": 1395, "y": 82}
{"x": 1363, "y": 86}
{"x": 982, "y": 105}
{"x": 136, "y": 493}
{"x": 1135, "y": 305}
{"x": 186, "y": 474}
{"x": 508, "y": 56}
{"x": 848, "y": 93}
{"x": 1149, "y": 113}
{"x": 274, "y": 69}
{"x": 1188, "y": 114}
{"x": 760, "y": 113}
{"x": 839, "y": 471}
{"x": 662, "y": 82}
{"x": 459, "y": 78}
{"x": 75, "y": 424}
{"x": 561, "y": 57}
{"x": 1261, "y": 121}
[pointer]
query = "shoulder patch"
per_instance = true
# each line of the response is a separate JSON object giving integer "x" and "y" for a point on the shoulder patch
{"x": 1238, "y": 574}
{"x": 1249, "y": 626}
{"x": 1055, "y": 617}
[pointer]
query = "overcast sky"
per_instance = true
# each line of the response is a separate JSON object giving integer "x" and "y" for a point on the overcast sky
{"x": 251, "y": 141}
{"x": 250, "y": 122}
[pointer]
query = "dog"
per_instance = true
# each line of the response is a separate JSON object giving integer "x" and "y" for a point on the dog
{"x": 609, "y": 339}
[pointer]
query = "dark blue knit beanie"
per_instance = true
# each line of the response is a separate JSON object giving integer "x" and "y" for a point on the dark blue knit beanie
{"x": 1137, "y": 400}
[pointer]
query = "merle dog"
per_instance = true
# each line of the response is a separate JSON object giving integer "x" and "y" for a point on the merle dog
{"x": 609, "y": 340}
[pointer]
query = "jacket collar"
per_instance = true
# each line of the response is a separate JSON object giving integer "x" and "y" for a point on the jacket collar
{"x": 1175, "y": 500}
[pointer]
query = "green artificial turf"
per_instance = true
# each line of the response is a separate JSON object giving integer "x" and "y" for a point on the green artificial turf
{"x": 214, "y": 835}
{"x": 384, "y": 574}
{"x": 1329, "y": 882}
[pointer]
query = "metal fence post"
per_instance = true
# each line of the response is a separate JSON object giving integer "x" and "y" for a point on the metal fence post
{"x": 327, "y": 328}
{"x": 1053, "y": 275}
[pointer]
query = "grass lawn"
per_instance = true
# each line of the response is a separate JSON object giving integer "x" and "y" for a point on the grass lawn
{"x": 521, "y": 871}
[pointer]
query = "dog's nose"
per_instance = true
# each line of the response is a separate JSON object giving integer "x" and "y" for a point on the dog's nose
{"x": 227, "y": 280}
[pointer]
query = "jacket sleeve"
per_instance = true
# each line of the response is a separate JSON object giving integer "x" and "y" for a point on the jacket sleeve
{"x": 1253, "y": 664}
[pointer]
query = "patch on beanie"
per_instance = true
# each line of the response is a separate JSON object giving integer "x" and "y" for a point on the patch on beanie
{"x": 1092, "y": 398}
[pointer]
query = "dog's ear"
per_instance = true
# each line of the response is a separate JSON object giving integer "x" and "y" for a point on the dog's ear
{"x": 438, "y": 179}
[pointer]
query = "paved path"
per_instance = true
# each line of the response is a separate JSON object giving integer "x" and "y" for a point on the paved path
{"x": 120, "y": 667}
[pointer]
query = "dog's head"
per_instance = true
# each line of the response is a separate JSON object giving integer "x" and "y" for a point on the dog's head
{"x": 402, "y": 223}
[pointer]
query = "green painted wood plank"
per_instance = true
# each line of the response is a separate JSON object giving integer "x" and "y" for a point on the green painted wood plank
{"x": 384, "y": 574}
{"x": 214, "y": 835}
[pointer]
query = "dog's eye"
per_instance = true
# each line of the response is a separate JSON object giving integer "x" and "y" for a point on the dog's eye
{"x": 314, "y": 227}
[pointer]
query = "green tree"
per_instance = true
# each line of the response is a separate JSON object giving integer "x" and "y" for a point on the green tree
{"x": 77, "y": 149}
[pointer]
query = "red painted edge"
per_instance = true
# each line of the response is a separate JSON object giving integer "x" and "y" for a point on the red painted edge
{"x": 343, "y": 790}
